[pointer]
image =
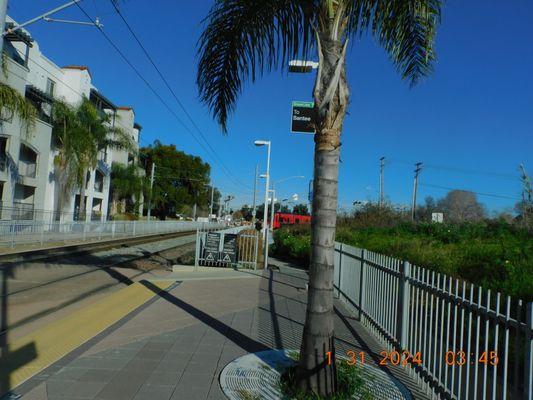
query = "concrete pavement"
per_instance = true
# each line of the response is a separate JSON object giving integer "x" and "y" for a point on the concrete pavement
{"x": 175, "y": 345}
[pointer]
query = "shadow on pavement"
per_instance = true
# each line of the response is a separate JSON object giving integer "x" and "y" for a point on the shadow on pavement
{"x": 10, "y": 361}
{"x": 244, "y": 342}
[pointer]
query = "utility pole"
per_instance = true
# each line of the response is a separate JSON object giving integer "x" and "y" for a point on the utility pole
{"x": 212, "y": 199}
{"x": 151, "y": 192}
{"x": 527, "y": 194}
{"x": 255, "y": 193}
{"x": 272, "y": 209}
{"x": 3, "y": 13}
{"x": 381, "y": 182}
{"x": 418, "y": 168}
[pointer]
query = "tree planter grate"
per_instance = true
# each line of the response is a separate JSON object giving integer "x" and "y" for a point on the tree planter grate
{"x": 257, "y": 376}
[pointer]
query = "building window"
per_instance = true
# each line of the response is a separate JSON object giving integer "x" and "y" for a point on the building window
{"x": 50, "y": 87}
{"x": 23, "y": 202}
{"x": 27, "y": 162}
{"x": 42, "y": 101}
{"x": 102, "y": 155}
{"x": 98, "y": 181}
{"x": 3, "y": 153}
{"x": 96, "y": 212}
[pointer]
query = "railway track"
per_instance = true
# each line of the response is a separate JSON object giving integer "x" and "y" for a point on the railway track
{"x": 42, "y": 286}
{"x": 80, "y": 248}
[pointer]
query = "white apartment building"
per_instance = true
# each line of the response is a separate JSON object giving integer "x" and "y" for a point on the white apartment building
{"x": 28, "y": 187}
{"x": 125, "y": 119}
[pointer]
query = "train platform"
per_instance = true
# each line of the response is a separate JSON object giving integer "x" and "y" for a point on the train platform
{"x": 170, "y": 337}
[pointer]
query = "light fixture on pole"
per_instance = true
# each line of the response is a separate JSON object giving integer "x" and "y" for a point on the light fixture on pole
{"x": 260, "y": 143}
{"x": 301, "y": 66}
{"x": 274, "y": 191}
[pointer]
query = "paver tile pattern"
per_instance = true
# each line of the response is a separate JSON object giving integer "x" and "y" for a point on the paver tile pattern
{"x": 176, "y": 347}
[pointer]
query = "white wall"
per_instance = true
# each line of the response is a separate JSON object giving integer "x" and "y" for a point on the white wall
{"x": 37, "y": 139}
{"x": 71, "y": 85}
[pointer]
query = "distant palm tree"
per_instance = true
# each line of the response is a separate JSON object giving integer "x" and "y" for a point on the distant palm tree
{"x": 243, "y": 39}
{"x": 125, "y": 182}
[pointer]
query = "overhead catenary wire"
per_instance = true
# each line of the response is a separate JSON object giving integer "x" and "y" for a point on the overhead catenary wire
{"x": 169, "y": 87}
{"x": 63, "y": 82}
{"x": 470, "y": 191}
{"x": 502, "y": 175}
{"x": 152, "y": 89}
{"x": 179, "y": 178}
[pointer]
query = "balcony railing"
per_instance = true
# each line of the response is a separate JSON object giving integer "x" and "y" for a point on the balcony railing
{"x": 27, "y": 168}
{"x": 22, "y": 211}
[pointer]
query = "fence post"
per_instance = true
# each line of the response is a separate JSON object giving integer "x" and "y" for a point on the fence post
{"x": 197, "y": 252}
{"x": 113, "y": 227}
{"x": 340, "y": 272}
{"x": 13, "y": 227}
{"x": 256, "y": 250}
{"x": 528, "y": 370}
{"x": 134, "y": 228}
{"x": 42, "y": 234}
{"x": 402, "y": 314}
{"x": 362, "y": 285}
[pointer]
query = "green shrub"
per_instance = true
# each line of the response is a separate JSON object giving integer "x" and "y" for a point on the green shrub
{"x": 493, "y": 254}
{"x": 293, "y": 245}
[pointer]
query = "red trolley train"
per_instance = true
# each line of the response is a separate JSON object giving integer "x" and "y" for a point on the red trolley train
{"x": 281, "y": 219}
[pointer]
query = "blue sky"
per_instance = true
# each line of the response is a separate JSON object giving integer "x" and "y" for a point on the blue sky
{"x": 473, "y": 115}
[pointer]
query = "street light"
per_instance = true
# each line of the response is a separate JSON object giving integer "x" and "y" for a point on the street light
{"x": 274, "y": 194}
{"x": 260, "y": 143}
{"x": 302, "y": 66}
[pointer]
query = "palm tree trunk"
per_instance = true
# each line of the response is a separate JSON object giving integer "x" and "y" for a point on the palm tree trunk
{"x": 61, "y": 193}
{"x": 82, "y": 195}
{"x": 316, "y": 371}
{"x": 61, "y": 171}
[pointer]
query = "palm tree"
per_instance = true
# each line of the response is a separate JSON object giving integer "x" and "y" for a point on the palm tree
{"x": 100, "y": 134}
{"x": 80, "y": 133}
{"x": 125, "y": 182}
{"x": 66, "y": 138}
{"x": 244, "y": 38}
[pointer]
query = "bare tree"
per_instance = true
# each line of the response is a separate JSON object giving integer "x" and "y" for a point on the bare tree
{"x": 461, "y": 206}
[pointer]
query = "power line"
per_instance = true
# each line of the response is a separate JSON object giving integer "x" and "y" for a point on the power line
{"x": 47, "y": 71}
{"x": 456, "y": 169}
{"x": 471, "y": 191}
{"x": 58, "y": 79}
{"x": 179, "y": 178}
{"x": 165, "y": 81}
{"x": 149, "y": 85}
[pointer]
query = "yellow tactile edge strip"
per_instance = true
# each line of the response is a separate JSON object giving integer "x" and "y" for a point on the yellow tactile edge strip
{"x": 53, "y": 341}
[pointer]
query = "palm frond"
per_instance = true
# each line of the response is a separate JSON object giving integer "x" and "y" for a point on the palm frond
{"x": 118, "y": 139}
{"x": 18, "y": 104}
{"x": 405, "y": 28}
{"x": 245, "y": 38}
